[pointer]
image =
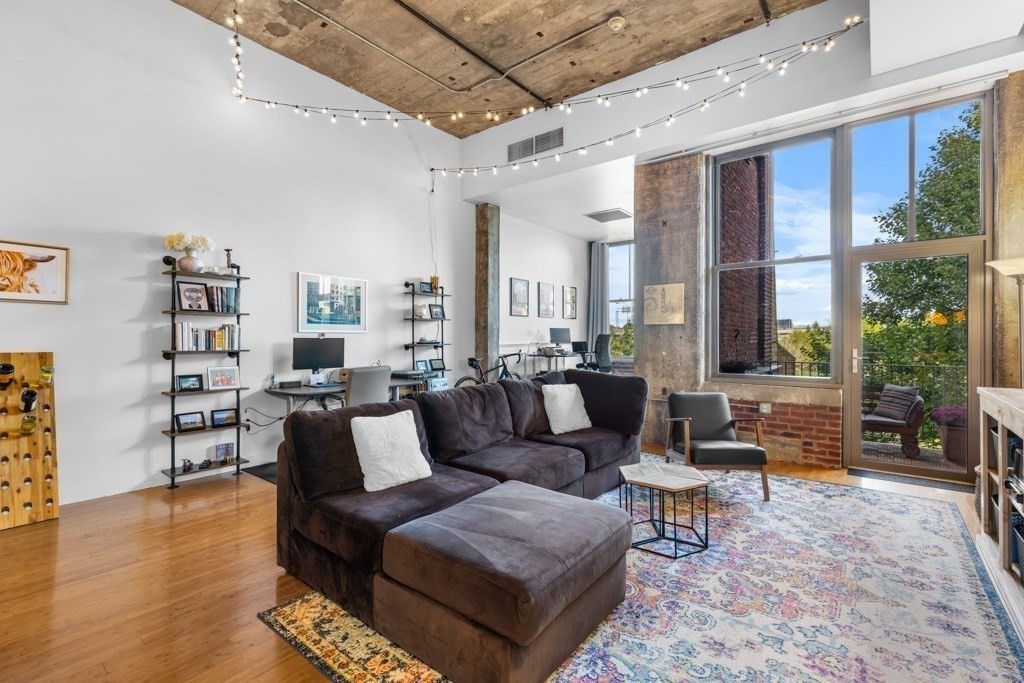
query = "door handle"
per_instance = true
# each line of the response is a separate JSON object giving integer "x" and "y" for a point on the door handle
{"x": 855, "y": 362}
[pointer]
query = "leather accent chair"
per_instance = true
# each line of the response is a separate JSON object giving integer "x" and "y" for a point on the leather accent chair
{"x": 702, "y": 432}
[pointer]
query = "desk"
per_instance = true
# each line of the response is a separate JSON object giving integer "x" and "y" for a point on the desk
{"x": 563, "y": 356}
{"x": 305, "y": 393}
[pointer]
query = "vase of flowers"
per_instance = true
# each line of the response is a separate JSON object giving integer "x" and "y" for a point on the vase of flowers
{"x": 191, "y": 245}
{"x": 952, "y": 422}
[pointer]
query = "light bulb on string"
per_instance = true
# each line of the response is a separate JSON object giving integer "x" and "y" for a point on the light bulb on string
{"x": 429, "y": 123}
{"x": 444, "y": 172}
{"x": 814, "y": 47}
{"x": 297, "y": 110}
{"x": 363, "y": 121}
{"x": 523, "y": 111}
{"x": 419, "y": 116}
{"x": 609, "y": 142}
{"x": 679, "y": 83}
{"x": 536, "y": 163}
{"x": 568, "y": 109}
{"x": 638, "y": 131}
{"x": 323, "y": 110}
{"x": 645, "y": 89}
{"x": 475, "y": 171}
{"x": 558, "y": 157}
{"x": 266, "y": 105}
{"x": 638, "y": 92}
{"x": 670, "y": 119}
{"x": 334, "y": 118}
{"x": 454, "y": 117}
{"x": 771, "y": 65}
{"x": 494, "y": 170}
{"x": 804, "y": 47}
{"x": 355, "y": 114}
{"x": 305, "y": 112}
{"x": 583, "y": 151}
{"x": 460, "y": 172}
{"x": 761, "y": 59}
{"x": 561, "y": 106}
{"x": 607, "y": 101}
{"x": 726, "y": 78}
{"x": 530, "y": 109}
{"x": 395, "y": 123}
{"x": 460, "y": 114}
{"x": 273, "y": 105}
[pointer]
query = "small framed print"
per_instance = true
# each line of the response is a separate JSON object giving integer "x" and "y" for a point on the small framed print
{"x": 437, "y": 364}
{"x": 519, "y": 297}
{"x": 183, "y": 383}
{"x": 224, "y": 453}
{"x": 223, "y": 418}
{"x": 192, "y": 296}
{"x": 545, "y": 300}
{"x": 34, "y": 273}
{"x": 189, "y": 422}
{"x": 422, "y": 365}
{"x": 225, "y": 377}
{"x": 426, "y": 288}
{"x": 436, "y": 311}
{"x": 568, "y": 302}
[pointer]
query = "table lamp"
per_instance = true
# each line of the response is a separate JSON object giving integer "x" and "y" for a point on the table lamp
{"x": 1014, "y": 267}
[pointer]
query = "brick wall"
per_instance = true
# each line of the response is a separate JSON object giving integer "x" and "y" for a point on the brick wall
{"x": 807, "y": 435}
{"x": 746, "y": 298}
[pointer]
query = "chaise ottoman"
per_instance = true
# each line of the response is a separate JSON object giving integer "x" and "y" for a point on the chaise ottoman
{"x": 503, "y": 586}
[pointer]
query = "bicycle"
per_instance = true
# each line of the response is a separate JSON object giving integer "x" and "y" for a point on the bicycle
{"x": 481, "y": 374}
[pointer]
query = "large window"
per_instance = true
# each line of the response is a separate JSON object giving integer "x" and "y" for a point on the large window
{"x": 773, "y": 274}
{"x": 909, "y": 177}
{"x": 620, "y": 298}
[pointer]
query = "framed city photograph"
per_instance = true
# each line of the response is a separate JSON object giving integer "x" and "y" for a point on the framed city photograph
{"x": 437, "y": 364}
{"x": 34, "y": 273}
{"x": 436, "y": 312}
{"x": 223, "y": 418}
{"x": 183, "y": 383}
{"x": 519, "y": 297}
{"x": 223, "y": 377}
{"x": 189, "y": 422}
{"x": 545, "y": 300}
{"x": 422, "y": 365}
{"x": 426, "y": 288}
{"x": 568, "y": 302}
{"x": 332, "y": 304}
{"x": 192, "y": 296}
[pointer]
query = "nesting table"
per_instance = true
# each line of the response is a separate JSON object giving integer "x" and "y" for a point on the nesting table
{"x": 665, "y": 481}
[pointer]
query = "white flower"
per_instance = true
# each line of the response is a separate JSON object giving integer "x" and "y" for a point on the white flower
{"x": 182, "y": 241}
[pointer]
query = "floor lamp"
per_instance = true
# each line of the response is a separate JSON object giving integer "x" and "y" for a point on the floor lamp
{"x": 1014, "y": 267}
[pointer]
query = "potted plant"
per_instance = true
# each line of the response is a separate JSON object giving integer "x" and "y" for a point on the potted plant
{"x": 952, "y": 422}
{"x": 190, "y": 244}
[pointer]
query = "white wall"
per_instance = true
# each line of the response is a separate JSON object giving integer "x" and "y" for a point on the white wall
{"x": 117, "y": 127}
{"x": 534, "y": 253}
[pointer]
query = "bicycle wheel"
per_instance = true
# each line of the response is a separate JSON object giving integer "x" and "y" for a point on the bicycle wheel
{"x": 467, "y": 381}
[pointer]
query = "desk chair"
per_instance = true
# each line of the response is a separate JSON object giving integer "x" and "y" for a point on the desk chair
{"x": 585, "y": 354}
{"x": 368, "y": 385}
{"x": 702, "y": 432}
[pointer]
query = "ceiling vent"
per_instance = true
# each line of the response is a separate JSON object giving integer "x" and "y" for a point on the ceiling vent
{"x": 609, "y": 215}
{"x": 545, "y": 142}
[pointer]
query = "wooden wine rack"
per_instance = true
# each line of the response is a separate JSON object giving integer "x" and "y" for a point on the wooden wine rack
{"x": 28, "y": 464}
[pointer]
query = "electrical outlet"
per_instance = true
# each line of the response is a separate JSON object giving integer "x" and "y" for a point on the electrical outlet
{"x": 764, "y": 408}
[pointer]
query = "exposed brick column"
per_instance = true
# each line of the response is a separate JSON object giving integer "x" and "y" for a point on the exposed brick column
{"x": 669, "y": 247}
{"x": 486, "y": 307}
{"x": 1009, "y": 221}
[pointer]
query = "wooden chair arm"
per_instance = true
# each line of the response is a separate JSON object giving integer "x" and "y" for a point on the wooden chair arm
{"x": 749, "y": 419}
{"x": 758, "y": 427}
{"x": 670, "y": 442}
{"x": 678, "y": 419}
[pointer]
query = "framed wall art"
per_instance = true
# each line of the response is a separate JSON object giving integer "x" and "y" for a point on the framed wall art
{"x": 34, "y": 273}
{"x": 519, "y": 297}
{"x": 545, "y": 300}
{"x": 332, "y": 304}
{"x": 568, "y": 302}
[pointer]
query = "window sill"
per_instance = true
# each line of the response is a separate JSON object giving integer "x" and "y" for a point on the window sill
{"x": 777, "y": 381}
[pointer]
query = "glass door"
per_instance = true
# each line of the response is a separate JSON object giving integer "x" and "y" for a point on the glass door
{"x": 915, "y": 358}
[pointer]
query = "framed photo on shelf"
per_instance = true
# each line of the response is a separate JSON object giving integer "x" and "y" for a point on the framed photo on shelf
{"x": 223, "y": 418}
{"x": 223, "y": 377}
{"x": 436, "y": 311}
{"x": 519, "y": 297}
{"x": 192, "y": 296}
{"x": 437, "y": 364}
{"x": 224, "y": 453}
{"x": 545, "y": 300}
{"x": 183, "y": 383}
{"x": 189, "y": 422}
{"x": 332, "y": 304}
{"x": 568, "y": 302}
{"x": 426, "y": 288}
{"x": 422, "y": 365}
{"x": 34, "y": 273}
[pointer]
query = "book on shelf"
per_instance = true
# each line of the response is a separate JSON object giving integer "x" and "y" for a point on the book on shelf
{"x": 223, "y": 299}
{"x": 187, "y": 337}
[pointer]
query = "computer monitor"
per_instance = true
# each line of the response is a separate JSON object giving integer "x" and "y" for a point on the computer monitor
{"x": 317, "y": 354}
{"x": 560, "y": 335}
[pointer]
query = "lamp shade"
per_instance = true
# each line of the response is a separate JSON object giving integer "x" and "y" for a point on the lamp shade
{"x": 1008, "y": 267}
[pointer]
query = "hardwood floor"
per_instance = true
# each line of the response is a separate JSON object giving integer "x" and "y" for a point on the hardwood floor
{"x": 161, "y": 585}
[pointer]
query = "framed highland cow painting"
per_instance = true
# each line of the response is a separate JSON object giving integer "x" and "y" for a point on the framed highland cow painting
{"x": 34, "y": 273}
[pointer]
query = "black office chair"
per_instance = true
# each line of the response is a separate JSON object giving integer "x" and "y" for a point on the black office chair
{"x": 582, "y": 349}
{"x": 602, "y": 355}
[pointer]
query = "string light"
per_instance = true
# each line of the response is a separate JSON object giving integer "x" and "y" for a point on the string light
{"x": 609, "y": 142}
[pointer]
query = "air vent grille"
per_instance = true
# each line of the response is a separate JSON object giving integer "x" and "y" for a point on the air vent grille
{"x": 609, "y": 215}
{"x": 545, "y": 142}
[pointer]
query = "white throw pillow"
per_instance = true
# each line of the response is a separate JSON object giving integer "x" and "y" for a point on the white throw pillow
{"x": 565, "y": 408}
{"x": 388, "y": 449}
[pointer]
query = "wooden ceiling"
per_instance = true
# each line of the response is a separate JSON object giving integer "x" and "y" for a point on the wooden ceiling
{"x": 460, "y": 43}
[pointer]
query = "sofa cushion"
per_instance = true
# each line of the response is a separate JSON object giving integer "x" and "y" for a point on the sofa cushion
{"x": 599, "y": 446}
{"x": 323, "y": 453}
{"x": 389, "y": 450}
{"x": 725, "y": 453}
{"x": 465, "y": 420}
{"x": 544, "y": 465}
{"x": 616, "y": 402}
{"x": 511, "y": 558}
{"x": 352, "y": 524}
{"x": 526, "y": 402}
{"x": 895, "y": 402}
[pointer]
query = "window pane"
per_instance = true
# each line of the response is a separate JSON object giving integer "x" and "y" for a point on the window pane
{"x": 776, "y": 205}
{"x": 620, "y": 324}
{"x": 947, "y": 157}
{"x": 776, "y": 320}
{"x": 620, "y": 272}
{"x": 880, "y": 182}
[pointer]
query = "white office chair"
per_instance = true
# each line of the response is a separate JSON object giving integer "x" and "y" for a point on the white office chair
{"x": 368, "y": 385}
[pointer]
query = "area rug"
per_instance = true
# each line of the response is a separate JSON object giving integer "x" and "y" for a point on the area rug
{"x": 823, "y": 583}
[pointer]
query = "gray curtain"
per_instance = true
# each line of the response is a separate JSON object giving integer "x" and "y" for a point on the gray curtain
{"x": 597, "y": 301}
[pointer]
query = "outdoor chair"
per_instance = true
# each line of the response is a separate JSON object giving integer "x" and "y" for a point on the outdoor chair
{"x": 907, "y": 428}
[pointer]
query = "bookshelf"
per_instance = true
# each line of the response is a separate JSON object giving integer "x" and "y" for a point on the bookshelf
{"x": 232, "y": 351}
{"x": 438, "y": 345}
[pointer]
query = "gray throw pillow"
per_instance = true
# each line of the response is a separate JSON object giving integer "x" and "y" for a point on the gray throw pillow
{"x": 895, "y": 402}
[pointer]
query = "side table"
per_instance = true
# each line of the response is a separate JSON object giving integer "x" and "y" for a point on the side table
{"x": 664, "y": 480}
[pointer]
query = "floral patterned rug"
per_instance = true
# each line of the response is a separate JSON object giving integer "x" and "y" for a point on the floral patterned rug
{"x": 824, "y": 583}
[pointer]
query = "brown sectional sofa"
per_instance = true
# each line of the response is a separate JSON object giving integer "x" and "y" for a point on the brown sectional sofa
{"x": 480, "y": 569}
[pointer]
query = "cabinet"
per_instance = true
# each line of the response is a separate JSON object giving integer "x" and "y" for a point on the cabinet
{"x": 177, "y": 350}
